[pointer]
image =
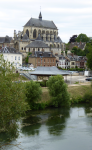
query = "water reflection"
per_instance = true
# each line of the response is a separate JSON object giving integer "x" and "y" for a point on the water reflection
{"x": 31, "y": 125}
{"x": 56, "y": 128}
{"x": 57, "y": 121}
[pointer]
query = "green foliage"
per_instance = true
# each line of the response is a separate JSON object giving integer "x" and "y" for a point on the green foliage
{"x": 78, "y": 51}
{"x": 12, "y": 98}
{"x": 33, "y": 93}
{"x": 89, "y": 59}
{"x": 87, "y": 98}
{"x": 67, "y": 46}
{"x": 83, "y": 38}
{"x": 26, "y": 59}
{"x": 58, "y": 91}
{"x": 42, "y": 83}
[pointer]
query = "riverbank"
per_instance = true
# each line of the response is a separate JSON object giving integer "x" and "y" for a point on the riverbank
{"x": 75, "y": 90}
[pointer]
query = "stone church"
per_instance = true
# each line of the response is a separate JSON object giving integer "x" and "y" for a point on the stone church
{"x": 41, "y": 30}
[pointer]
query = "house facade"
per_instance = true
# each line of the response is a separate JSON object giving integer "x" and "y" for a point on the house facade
{"x": 11, "y": 55}
{"x": 45, "y": 59}
{"x": 6, "y": 42}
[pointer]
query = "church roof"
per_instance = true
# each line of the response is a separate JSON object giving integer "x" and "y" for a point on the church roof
{"x": 25, "y": 37}
{"x": 40, "y": 23}
{"x": 40, "y": 16}
{"x": 37, "y": 44}
{"x": 39, "y": 38}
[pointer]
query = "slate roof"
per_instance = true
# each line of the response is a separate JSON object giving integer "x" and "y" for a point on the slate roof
{"x": 25, "y": 37}
{"x": 61, "y": 57}
{"x": 80, "y": 45}
{"x": 37, "y": 44}
{"x": 6, "y": 39}
{"x": 39, "y": 38}
{"x": 48, "y": 71}
{"x": 42, "y": 54}
{"x": 76, "y": 58}
{"x": 9, "y": 50}
{"x": 40, "y": 23}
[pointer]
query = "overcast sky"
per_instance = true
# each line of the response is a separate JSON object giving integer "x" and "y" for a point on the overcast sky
{"x": 70, "y": 16}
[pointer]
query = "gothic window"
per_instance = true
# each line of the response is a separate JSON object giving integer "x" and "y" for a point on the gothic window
{"x": 47, "y": 32}
{"x": 55, "y": 33}
{"x": 54, "y": 46}
{"x": 58, "y": 45}
{"x": 43, "y": 32}
{"x": 39, "y": 32}
{"x": 46, "y": 38}
{"x": 27, "y": 32}
{"x": 51, "y": 32}
{"x": 34, "y": 34}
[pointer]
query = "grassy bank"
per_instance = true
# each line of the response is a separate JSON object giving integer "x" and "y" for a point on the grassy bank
{"x": 77, "y": 93}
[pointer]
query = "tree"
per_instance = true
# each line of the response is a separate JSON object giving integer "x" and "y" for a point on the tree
{"x": 33, "y": 94}
{"x": 58, "y": 91}
{"x": 12, "y": 98}
{"x": 82, "y": 37}
{"x": 77, "y": 51}
{"x": 73, "y": 38}
{"x": 89, "y": 59}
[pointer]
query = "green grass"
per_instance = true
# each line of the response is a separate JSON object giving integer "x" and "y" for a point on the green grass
{"x": 75, "y": 92}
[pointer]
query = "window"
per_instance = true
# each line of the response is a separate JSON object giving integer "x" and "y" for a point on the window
{"x": 22, "y": 48}
{"x": 15, "y": 57}
{"x": 19, "y": 58}
{"x": 11, "y": 58}
{"x": 34, "y": 34}
{"x": 27, "y": 32}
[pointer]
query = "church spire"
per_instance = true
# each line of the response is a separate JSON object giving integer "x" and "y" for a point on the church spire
{"x": 40, "y": 16}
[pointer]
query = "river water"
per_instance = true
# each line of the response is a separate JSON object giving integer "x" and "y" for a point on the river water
{"x": 55, "y": 129}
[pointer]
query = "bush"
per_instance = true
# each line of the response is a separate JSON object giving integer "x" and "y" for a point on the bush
{"x": 42, "y": 83}
{"x": 33, "y": 93}
{"x": 87, "y": 98}
{"x": 58, "y": 91}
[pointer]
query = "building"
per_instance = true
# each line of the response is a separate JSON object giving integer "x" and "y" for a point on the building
{"x": 11, "y": 55}
{"x": 31, "y": 30}
{"x": 6, "y": 42}
{"x": 42, "y": 58}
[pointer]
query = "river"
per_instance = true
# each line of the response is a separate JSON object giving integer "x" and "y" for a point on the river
{"x": 55, "y": 129}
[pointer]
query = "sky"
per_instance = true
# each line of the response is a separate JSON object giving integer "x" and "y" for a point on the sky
{"x": 72, "y": 17}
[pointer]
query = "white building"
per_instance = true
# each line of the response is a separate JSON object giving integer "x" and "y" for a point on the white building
{"x": 11, "y": 55}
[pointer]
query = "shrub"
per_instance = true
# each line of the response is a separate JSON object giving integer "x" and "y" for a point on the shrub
{"x": 58, "y": 91}
{"x": 87, "y": 98}
{"x": 33, "y": 93}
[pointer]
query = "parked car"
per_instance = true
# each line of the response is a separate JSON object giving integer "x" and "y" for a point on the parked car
{"x": 89, "y": 79}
